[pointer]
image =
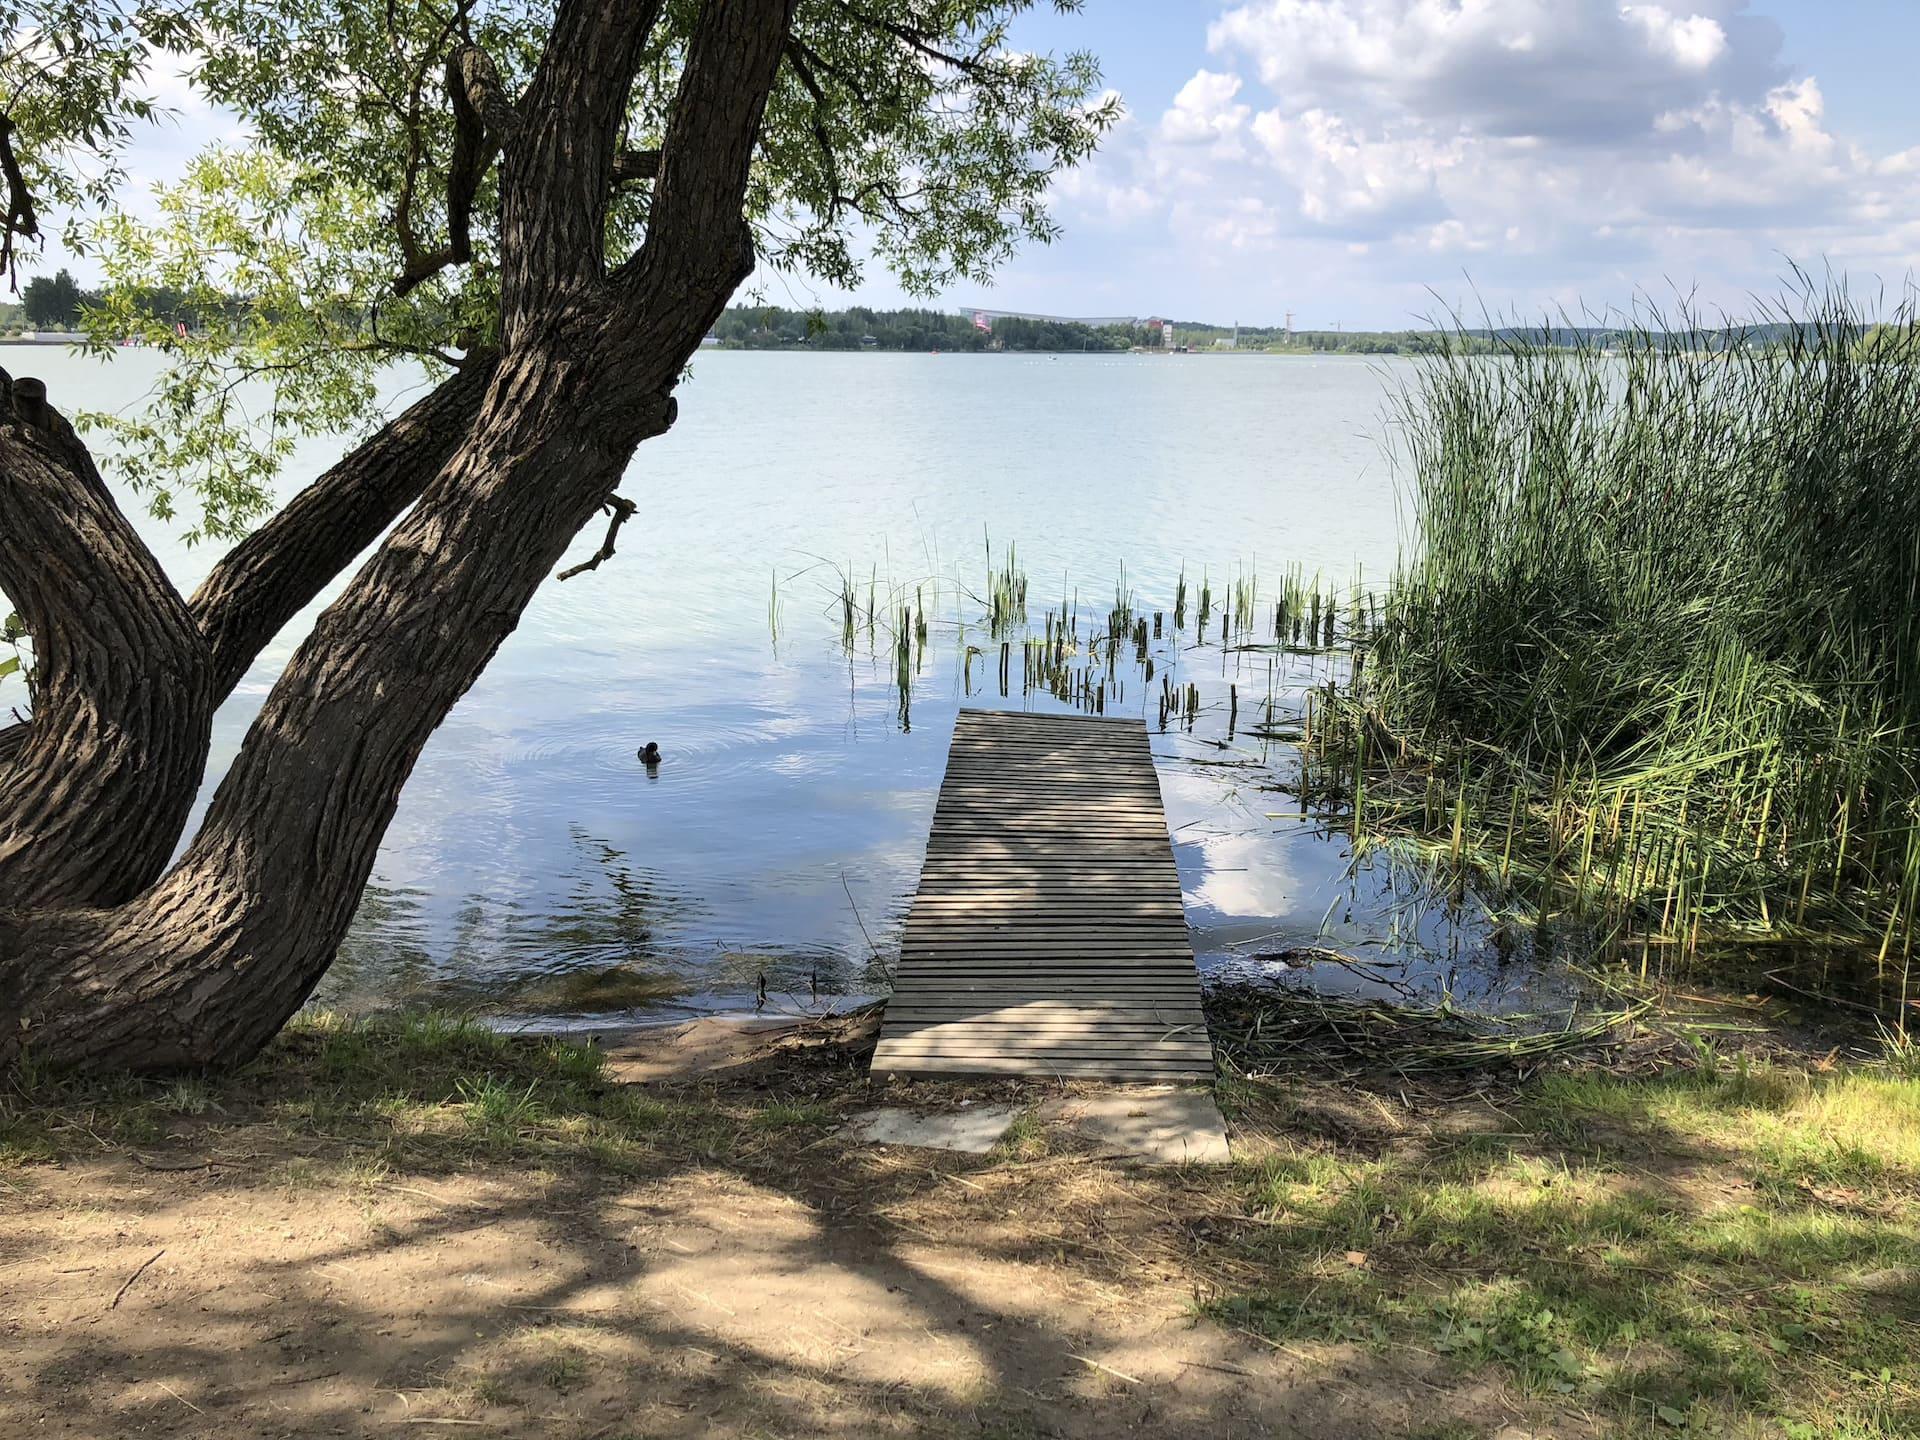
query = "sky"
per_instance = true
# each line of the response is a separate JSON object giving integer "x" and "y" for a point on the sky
{"x": 1374, "y": 163}
{"x": 1369, "y": 163}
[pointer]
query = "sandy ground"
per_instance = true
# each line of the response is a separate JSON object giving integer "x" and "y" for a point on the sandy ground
{"x": 191, "y": 1289}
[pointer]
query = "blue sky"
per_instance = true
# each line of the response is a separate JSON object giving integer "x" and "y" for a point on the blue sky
{"x": 1368, "y": 163}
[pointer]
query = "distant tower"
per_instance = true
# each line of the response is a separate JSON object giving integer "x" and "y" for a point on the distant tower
{"x": 1289, "y": 324}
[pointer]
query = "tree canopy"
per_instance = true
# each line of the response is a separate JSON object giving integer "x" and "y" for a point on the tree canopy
{"x": 360, "y": 217}
{"x": 51, "y": 300}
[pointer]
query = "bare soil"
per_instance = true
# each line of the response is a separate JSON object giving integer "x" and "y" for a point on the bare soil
{"x": 236, "y": 1278}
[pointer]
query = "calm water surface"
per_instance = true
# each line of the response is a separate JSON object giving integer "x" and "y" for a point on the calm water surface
{"x": 536, "y": 867}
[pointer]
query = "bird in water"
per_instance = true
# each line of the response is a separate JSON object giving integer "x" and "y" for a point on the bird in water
{"x": 650, "y": 754}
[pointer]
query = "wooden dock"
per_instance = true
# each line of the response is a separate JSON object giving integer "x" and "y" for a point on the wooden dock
{"x": 1047, "y": 936}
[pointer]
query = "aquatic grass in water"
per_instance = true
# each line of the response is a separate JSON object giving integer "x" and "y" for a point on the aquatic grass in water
{"x": 1006, "y": 594}
{"x": 1656, "y": 636}
{"x": 1236, "y": 697}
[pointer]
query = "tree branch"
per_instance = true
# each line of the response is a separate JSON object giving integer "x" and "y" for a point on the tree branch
{"x": 558, "y": 175}
{"x": 485, "y": 121}
{"x": 631, "y": 165}
{"x": 796, "y": 55}
{"x": 922, "y": 43}
{"x": 622, "y": 509}
{"x": 699, "y": 245}
{"x": 474, "y": 81}
{"x": 269, "y": 577}
{"x": 20, "y": 217}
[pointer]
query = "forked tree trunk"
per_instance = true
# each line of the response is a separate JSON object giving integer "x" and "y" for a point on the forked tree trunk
{"x": 272, "y": 575}
{"x": 206, "y": 965}
{"x": 94, "y": 791}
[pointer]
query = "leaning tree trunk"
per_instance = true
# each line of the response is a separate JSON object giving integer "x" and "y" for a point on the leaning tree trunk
{"x": 272, "y": 575}
{"x": 94, "y": 801}
{"x": 208, "y": 964}
{"x": 95, "y": 789}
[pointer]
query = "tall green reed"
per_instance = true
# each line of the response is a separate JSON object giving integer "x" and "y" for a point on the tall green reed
{"x": 1660, "y": 611}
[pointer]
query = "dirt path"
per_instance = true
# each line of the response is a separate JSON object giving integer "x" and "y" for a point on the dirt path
{"x": 297, "y": 1284}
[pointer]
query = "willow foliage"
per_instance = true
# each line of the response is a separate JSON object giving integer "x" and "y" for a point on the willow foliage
{"x": 907, "y": 131}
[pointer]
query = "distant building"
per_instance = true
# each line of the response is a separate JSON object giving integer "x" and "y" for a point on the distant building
{"x": 983, "y": 319}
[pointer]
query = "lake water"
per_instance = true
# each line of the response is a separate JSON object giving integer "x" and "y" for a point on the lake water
{"x": 536, "y": 867}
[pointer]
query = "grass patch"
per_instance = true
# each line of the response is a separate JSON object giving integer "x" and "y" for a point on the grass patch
{"x": 1735, "y": 1251}
{"x": 1729, "y": 1246}
{"x": 1024, "y": 1139}
{"x": 417, "y": 1092}
{"x": 783, "y": 1115}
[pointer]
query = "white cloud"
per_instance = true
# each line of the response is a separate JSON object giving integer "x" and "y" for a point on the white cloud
{"x": 1577, "y": 68}
{"x": 1557, "y": 140}
{"x": 1694, "y": 42}
{"x": 1204, "y": 110}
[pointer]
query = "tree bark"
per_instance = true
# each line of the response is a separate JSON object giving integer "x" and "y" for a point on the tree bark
{"x": 273, "y": 574}
{"x": 207, "y": 965}
{"x": 96, "y": 798}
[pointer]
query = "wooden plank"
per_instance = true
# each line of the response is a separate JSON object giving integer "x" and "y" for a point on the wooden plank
{"x": 1173, "y": 1044}
{"x": 940, "y": 1038}
{"x": 1047, "y": 936}
{"x": 994, "y": 1022}
{"x": 1039, "y": 957}
{"x": 1059, "y": 1067}
{"x": 1008, "y": 923}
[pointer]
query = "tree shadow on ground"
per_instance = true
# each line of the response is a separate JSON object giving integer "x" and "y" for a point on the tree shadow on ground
{"x": 420, "y": 1223}
{"x": 1731, "y": 1249}
{"x": 426, "y": 1226}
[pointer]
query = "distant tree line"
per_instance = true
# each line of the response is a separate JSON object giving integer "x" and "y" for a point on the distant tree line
{"x": 769, "y": 327}
{"x": 56, "y": 302}
{"x": 1198, "y": 335}
{"x": 52, "y": 302}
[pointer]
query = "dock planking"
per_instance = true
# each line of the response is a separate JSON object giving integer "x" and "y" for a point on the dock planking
{"x": 1047, "y": 936}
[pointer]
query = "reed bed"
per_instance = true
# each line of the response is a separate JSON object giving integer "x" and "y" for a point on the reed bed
{"x": 1653, "y": 651}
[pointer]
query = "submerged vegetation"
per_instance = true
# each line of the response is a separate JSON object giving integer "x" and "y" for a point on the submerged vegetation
{"x": 1653, "y": 652}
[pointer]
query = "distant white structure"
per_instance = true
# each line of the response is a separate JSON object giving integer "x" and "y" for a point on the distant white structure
{"x": 983, "y": 319}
